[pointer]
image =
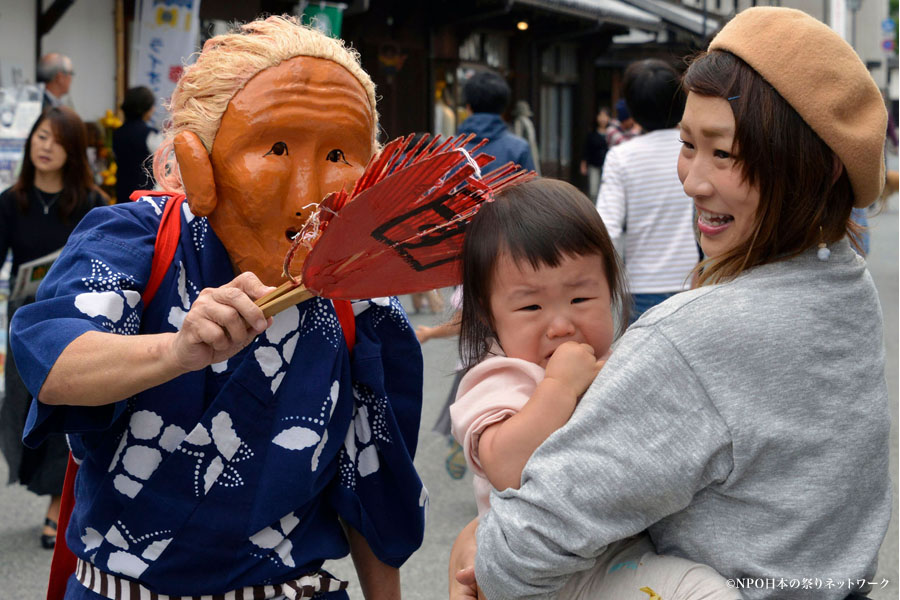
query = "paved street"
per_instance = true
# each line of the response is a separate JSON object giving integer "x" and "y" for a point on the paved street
{"x": 24, "y": 566}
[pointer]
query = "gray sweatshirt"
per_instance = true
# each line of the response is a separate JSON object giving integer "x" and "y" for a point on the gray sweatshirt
{"x": 745, "y": 425}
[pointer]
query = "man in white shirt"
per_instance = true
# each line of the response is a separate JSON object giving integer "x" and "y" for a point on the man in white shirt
{"x": 641, "y": 199}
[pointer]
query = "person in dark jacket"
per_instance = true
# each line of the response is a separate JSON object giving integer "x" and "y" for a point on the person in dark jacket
{"x": 134, "y": 142}
{"x": 486, "y": 95}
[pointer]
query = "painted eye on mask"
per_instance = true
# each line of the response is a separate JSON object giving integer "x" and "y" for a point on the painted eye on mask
{"x": 278, "y": 149}
{"x": 337, "y": 155}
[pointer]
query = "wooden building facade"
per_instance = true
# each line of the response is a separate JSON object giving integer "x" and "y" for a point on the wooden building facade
{"x": 559, "y": 56}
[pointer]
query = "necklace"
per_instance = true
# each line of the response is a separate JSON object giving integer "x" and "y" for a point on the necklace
{"x": 47, "y": 200}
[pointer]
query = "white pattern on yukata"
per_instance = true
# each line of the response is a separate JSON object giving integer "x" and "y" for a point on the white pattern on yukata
{"x": 275, "y": 538}
{"x": 275, "y": 349}
{"x": 187, "y": 293}
{"x": 140, "y": 453}
{"x": 274, "y": 353}
{"x": 109, "y": 299}
{"x": 139, "y": 450}
{"x": 147, "y": 440}
{"x": 116, "y": 310}
{"x": 135, "y": 553}
{"x": 298, "y": 437}
{"x": 217, "y": 453}
{"x": 359, "y": 456}
{"x": 394, "y": 310}
{"x": 198, "y": 227}
{"x": 321, "y": 318}
{"x": 154, "y": 202}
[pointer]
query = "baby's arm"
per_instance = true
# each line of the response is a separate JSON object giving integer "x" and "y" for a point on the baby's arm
{"x": 505, "y": 447}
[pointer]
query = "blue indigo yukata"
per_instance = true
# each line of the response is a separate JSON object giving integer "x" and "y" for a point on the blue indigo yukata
{"x": 234, "y": 475}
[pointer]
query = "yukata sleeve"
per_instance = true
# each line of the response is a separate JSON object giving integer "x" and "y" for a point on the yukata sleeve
{"x": 642, "y": 442}
{"x": 377, "y": 490}
{"x": 95, "y": 285}
{"x": 490, "y": 392}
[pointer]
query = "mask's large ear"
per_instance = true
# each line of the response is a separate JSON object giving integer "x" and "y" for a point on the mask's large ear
{"x": 196, "y": 173}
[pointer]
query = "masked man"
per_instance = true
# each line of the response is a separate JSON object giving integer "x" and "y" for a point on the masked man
{"x": 221, "y": 452}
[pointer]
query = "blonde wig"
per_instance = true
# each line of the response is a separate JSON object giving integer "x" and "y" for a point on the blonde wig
{"x": 225, "y": 65}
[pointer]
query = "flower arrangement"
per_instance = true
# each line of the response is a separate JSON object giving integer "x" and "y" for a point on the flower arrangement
{"x": 105, "y": 166}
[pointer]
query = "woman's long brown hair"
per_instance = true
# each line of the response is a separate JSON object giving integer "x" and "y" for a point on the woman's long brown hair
{"x": 69, "y": 131}
{"x": 801, "y": 204}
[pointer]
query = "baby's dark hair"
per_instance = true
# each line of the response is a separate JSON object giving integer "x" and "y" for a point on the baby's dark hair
{"x": 541, "y": 222}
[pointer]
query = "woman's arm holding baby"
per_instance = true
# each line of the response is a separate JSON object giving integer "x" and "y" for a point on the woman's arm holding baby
{"x": 462, "y": 584}
{"x": 504, "y": 448}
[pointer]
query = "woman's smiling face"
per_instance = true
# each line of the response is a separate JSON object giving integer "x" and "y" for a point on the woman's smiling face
{"x": 726, "y": 203}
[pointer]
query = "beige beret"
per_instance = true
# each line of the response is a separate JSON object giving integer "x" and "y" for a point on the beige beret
{"x": 822, "y": 78}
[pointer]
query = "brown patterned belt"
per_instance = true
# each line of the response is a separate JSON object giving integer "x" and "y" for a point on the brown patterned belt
{"x": 117, "y": 588}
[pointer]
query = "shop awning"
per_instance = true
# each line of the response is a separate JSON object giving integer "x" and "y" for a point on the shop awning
{"x": 679, "y": 16}
{"x": 607, "y": 11}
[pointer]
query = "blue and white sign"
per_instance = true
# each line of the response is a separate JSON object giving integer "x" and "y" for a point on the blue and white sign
{"x": 167, "y": 34}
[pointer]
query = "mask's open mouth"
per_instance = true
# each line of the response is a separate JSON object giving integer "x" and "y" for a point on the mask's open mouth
{"x": 290, "y": 234}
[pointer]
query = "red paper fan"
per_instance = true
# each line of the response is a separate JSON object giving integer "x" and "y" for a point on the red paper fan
{"x": 400, "y": 230}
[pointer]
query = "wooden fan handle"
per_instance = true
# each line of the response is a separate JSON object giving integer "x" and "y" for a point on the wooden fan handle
{"x": 285, "y": 295}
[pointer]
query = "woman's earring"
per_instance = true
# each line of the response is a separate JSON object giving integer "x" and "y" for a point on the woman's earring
{"x": 823, "y": 252}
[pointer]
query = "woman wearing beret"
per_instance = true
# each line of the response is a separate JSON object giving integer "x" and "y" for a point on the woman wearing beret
{"x": 745, "y": 423}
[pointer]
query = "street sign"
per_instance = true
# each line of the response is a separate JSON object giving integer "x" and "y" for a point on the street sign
{"x": 888, "y": 25}
{"x": 324, "y": 16}
{"x": 887, "y": 45}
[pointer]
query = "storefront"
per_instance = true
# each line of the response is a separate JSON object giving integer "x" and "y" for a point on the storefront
{"x": 420, "y": 56}
{"x": 561, "y": 57}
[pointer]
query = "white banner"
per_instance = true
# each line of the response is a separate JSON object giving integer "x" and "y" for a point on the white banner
{"x": 167, "y": 33}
